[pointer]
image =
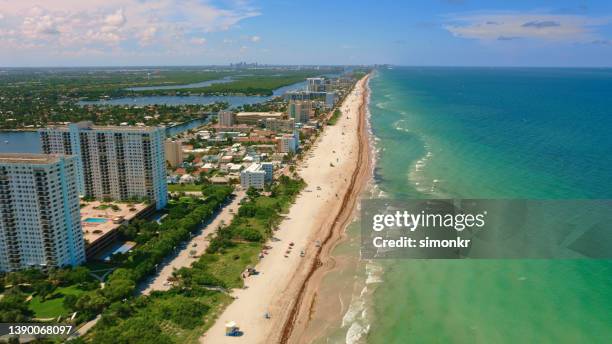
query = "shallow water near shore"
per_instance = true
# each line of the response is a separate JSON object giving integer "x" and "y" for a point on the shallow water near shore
{"x": 481, "y": 133}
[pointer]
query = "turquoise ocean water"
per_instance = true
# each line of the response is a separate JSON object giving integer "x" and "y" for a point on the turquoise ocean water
{"x": 485, "y": 133}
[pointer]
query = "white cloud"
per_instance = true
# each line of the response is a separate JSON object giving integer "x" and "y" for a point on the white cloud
{"x": 116, "y": 19}
{"x": 147, "y": 36}
{"x": 255, "y": 39}
{"x": 198, "y": 41}
{"x": 511, "y": 26}
{"x": 82, "y": 25}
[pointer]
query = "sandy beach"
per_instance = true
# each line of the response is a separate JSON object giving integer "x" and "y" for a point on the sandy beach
{"x": 336, "y": 170}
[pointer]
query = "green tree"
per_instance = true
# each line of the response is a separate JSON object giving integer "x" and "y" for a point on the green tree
{"x": 137, "y": 330}
{"x": 43, "y": 288}
{"x": 119, "y": 289}
{"x": 252, "y": 193}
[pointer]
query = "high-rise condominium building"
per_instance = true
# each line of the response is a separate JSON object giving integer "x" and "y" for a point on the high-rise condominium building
{"x": 174, "y": 152}
{"x": 114, "y": 162}
{"x": 227, "y": 118}
{"x": 40, "y": 223}
{"x": 301, "y": 110}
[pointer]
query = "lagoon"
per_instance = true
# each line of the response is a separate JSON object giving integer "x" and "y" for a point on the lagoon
{"x": 179, "y": 87}
{"x": 233, "y": 100}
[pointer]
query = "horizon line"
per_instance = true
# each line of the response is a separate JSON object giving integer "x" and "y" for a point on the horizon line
{"x": 374, "y": 65}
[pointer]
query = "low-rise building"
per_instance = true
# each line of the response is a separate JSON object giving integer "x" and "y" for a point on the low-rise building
{"x": 187, "y": 179}
{"x": 255, "y": 118}
{"x": 283, "y": 125}
{"x": 242, "y": 128}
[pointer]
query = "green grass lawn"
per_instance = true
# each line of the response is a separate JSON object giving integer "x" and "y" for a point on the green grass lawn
{"x": 184, "y": 187}
{"x": 335, "y": 117}
{"x": 53, "y": 307}
{"x": 266, "y": 201}
{"x": 229, "y": 266}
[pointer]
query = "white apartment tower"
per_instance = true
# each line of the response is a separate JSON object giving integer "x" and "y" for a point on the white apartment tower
{"x": 40, "y": 223}
{"x": 226, "y": 118}
{"x": 256, "y": 175}
{"x": 114, "y": 162}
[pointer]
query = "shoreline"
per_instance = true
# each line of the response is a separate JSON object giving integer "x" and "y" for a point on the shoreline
{"x": 334, "y": 180}
{"x": 301, "y": 313}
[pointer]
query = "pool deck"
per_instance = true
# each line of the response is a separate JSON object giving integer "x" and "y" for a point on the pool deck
{"x": 94, "y": 232}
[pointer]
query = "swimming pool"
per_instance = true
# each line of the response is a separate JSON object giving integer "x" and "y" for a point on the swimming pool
{"x": 117, "y": 248}
{"x": 95, "y": 220}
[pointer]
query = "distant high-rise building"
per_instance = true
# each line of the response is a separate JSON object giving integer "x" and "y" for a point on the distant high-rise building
{"x": 227, "y": 118}
{"x": 174, "y": 152}
{"x": 315, "y": 84}
{"x": 40, "y": 222}
{"x": 114, "y": 162}
{"x": 301, "y": 110}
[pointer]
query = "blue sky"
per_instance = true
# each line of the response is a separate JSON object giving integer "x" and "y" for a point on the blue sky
{"x": 198, "y": 32}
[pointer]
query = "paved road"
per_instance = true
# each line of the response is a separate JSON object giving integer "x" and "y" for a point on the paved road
{"x": 201, "y": 242}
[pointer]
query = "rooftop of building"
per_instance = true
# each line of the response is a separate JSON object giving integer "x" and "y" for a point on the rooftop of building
{"x": 260, "y": 114}
{"x": 29, "y": 158}
{"x": 86, "y": 125}
{"x": 100, "y": 218}
{"x": 254, "y": 168}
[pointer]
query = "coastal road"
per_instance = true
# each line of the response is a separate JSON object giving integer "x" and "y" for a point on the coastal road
{"x": 198, "y": 243}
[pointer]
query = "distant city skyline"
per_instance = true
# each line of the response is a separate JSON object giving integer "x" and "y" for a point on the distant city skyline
{"x": 67, "y": 33}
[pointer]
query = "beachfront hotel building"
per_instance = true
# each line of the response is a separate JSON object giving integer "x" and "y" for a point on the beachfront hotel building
{"x": 40, "y": 224}
{"x": 174, "y": 152}
{"x": 114, "y": 162}
{"x": 256, "y": 175}
{"x": 226, "y": 118}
